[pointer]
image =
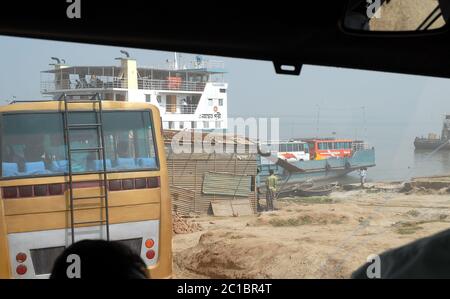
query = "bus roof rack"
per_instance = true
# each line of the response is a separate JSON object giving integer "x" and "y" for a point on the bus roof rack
{"x": 94, "y": 98}
{"x": 28, "y": 101}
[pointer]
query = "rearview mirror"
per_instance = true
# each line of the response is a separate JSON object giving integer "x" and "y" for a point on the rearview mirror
{"x": 396, "y": 15}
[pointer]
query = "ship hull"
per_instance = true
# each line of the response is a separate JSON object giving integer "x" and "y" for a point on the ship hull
{"x": 317, "y": 170}
{"x": 431, "y": 144}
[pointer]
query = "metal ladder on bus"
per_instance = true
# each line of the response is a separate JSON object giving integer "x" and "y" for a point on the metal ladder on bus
{"x": 100, "y": 150}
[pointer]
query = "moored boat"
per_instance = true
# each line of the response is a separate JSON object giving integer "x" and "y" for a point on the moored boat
{"x": 292, "y": 174}
{"x": 434, "y": 142}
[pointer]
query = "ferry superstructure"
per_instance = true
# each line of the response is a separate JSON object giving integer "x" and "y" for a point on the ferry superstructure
{"x": 192, "y": 96}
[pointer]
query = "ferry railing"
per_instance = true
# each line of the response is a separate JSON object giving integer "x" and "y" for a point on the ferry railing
{"x": 209, "y": 64}
{"x": 179, "y": 108}
{"x": 359, "y": 146}
{"x": 181, "y": 85}
{"x": 66, "y": 84}
{"x": 114, "y": 82}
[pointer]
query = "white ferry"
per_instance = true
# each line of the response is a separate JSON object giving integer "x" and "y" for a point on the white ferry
{"x": 189, "y": 96}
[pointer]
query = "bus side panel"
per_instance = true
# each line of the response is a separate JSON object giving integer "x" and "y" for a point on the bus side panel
{"x": 5, "y": 267}
{"x": 163, "y": 269}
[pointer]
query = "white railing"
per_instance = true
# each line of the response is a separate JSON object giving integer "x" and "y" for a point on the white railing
{"x": 358, "y": 146}
{"x": 113, "y": 82}
{"x": 170, "y": 85}
{"x": 209, "y": 64}
{"x": 179, "y": 108}
{"x": 202, "y": 64}
{"x": 109, "y": 82}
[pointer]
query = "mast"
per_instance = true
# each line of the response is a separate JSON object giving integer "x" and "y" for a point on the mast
{"x": 175, "y": 54}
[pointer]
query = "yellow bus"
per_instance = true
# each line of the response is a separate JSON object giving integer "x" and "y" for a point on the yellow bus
{"x": 82, "y": 169}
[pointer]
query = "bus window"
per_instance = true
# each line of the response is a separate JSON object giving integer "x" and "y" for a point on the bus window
{"x": 33, "y": 143}
{"x": 30, "y": 142}
{"x": 130, "y": 140}
{"x": 83, "y": 138}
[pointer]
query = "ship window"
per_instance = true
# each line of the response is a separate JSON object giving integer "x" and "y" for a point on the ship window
{"x": 210, "y": 102}
{"x": 158, "y": 98}
{"x": 330, "y": 145}
{"x": 171, "y": 125}
{"x": 220, "y": 102}
{"x": 283, "y": 148}
{"x": 218, "y": 124}
{"x": 181, "y": 124}
{"x": 206, "y": 125}
{"x": 223, "y": 90}
{"x": 193, "y": 125}
{"x": 148, "y": 98}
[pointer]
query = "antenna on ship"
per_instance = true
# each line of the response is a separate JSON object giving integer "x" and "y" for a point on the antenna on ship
{"x": 364, "y": 134}
{"x": 175, "y": 60}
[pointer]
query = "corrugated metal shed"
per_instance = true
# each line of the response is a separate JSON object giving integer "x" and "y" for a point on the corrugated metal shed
{"x": 219, "y": 183}
{"x": 187, "y": 171}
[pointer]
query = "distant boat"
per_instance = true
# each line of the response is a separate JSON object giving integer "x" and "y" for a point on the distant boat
{"x": 433, "y": 142}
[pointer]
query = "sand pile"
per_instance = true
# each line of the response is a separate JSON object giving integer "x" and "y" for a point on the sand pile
{"x": 183, "y": 226}
{"x": 226, "y": 254}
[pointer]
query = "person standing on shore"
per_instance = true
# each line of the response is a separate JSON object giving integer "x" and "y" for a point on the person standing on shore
{"x": 271, "y": 189}
{"x": 362, "y": 175}
{"x": 258, "y": 185}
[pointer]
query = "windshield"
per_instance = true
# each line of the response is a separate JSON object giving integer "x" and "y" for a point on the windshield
{"x": 33, "y": 143}
{"x": 354, "y": 162}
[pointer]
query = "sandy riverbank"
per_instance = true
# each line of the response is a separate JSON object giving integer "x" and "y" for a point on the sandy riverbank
{"x": 319, "y": 237}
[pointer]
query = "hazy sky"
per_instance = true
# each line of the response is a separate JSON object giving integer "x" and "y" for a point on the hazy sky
{"x": 255, "y": 89}
{"x": 397, "y": 107}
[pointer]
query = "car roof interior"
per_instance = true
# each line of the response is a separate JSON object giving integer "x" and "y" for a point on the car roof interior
{"x": 285, "y": 32}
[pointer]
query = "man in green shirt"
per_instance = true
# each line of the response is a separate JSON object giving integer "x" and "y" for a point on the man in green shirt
{"x": 271, "y": 189}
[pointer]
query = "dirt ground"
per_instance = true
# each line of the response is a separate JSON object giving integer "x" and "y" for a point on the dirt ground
{"x": 317, "y": 237}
